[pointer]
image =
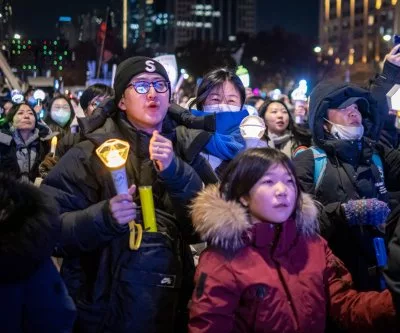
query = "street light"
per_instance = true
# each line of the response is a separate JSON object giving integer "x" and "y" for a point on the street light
{"x": 17, "y": 36}
{"x": 317, "y": 49}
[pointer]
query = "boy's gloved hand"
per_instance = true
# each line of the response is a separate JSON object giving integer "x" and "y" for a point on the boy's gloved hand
{"x": 366, "y": 212}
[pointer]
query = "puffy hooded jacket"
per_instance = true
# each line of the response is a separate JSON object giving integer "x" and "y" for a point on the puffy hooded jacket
{"x": 33, "y": 295}
{"x": 350, "y": 174}
{"x": 274, "y": 277}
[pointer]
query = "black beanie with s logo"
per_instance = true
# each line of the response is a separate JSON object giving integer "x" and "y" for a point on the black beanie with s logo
{"x": 130, "y": 67}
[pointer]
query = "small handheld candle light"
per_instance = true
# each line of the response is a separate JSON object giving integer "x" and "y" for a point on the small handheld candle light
{"x": 53, "y": 145}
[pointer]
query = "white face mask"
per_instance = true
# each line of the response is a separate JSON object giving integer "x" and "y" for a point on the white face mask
{"x": 343, "y": 132}
{"x": 60, "y": 116}
{"x": 215, "y": 108}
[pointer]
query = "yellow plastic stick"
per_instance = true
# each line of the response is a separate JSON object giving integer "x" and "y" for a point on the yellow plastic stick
{"x": 148, "y": 211}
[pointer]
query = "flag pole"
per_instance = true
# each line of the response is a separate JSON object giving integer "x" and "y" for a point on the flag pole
{"x": 102, "y": 46}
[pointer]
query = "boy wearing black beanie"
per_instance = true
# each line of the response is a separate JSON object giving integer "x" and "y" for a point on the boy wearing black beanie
{"x": 119, "y": 289}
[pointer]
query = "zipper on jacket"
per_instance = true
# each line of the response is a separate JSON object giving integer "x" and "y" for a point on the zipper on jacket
{"x": 278, "y": 231}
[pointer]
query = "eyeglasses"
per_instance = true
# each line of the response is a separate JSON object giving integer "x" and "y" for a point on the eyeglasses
{"x": 143, "y": 87}
{"x": 95, "y": 103}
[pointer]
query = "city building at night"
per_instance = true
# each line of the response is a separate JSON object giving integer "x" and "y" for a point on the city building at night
{"x": 5, "y": 19}
{"x": 358, "y": 31}
{"x": 169, "y": 24}
{"x": 214, "y": 20}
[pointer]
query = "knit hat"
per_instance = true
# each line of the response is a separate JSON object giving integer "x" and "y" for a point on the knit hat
{"x": 133, "y": 66}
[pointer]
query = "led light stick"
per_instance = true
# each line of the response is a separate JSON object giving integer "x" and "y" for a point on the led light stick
{"x": 252, "y": 129}
{"x": 299, "y": 97}
{"x": 114, "y": 153}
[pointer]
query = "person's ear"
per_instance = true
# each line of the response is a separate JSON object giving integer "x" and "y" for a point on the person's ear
{"x": 121, "y": 103}
{"x": 327, "y": 127}
{"x": 244, "y": 202}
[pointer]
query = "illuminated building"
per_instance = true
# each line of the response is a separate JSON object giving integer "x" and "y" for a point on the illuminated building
{"x": 213, "y": 20}
{"x": 358, "y": 31}
{"x": 164, "y": 25}
{"x": 5, "y": 19}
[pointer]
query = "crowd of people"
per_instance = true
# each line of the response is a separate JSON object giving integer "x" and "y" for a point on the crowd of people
{"x": 269, "y": 216}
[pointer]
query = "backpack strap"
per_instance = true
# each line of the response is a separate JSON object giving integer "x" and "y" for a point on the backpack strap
{"x": 376, "y": 159}
{"x": 320, "y": 161}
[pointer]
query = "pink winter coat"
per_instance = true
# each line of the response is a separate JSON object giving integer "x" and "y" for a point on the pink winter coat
{"x": 274, "y": 277}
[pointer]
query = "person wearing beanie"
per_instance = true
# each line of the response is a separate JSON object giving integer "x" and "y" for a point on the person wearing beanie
{"x": 24, "y": 143}
{"x": 120, "y": 289}
{"x": 33, "y": 295}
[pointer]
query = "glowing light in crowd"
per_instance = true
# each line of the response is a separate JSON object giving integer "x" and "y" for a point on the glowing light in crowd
{"x": 387, "y": 38}
{"x": 317, "y": 49}
{"x": 244, "y": 76}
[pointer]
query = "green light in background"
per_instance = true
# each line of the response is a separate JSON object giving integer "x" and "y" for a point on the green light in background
{"x": 55, "y": 62}
{"x": 60, "y": 68}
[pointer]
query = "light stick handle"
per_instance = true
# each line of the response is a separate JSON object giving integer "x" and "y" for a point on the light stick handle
{"x": 120, "y": 180}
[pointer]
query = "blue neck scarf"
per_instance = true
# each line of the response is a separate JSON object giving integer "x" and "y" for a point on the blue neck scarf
{"x": 226, "y": 141}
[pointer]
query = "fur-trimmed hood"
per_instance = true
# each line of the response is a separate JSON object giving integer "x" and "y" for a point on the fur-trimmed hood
{"x": 224, "y": 224}
{"x": 29, "y": 228}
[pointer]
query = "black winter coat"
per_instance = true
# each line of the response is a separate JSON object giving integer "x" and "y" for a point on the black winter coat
{"x": 33, "y": 295}
{"x": 350, "y": 175}
{"x": 124, "y": 290}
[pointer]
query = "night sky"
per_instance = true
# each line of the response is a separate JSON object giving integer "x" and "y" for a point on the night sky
{"x": 36, "y": 19}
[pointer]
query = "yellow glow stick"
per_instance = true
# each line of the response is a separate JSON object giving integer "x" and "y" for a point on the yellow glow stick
{"x": 148, "y": 211}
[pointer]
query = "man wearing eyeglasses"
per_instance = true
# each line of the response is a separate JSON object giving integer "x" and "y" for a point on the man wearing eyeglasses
{"x": 123, "y": 290}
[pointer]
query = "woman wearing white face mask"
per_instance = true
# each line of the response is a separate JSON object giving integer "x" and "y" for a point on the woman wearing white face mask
{"x": 60, "y": 115}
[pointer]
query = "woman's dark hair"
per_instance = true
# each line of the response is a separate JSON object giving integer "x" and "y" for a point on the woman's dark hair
{"x": 93, "y": 91}
{"x": 247, "y": 168}
{"x": 253, "y": 100}
{"x": 300, "y": 135}
{"x": 214, "y": 79}
{"x": 14, "y": 109}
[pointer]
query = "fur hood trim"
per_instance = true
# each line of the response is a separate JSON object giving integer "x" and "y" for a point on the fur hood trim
{"x": 224, "y": 224}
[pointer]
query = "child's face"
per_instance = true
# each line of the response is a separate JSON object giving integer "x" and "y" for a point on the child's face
{"x": 273, "y": 197}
